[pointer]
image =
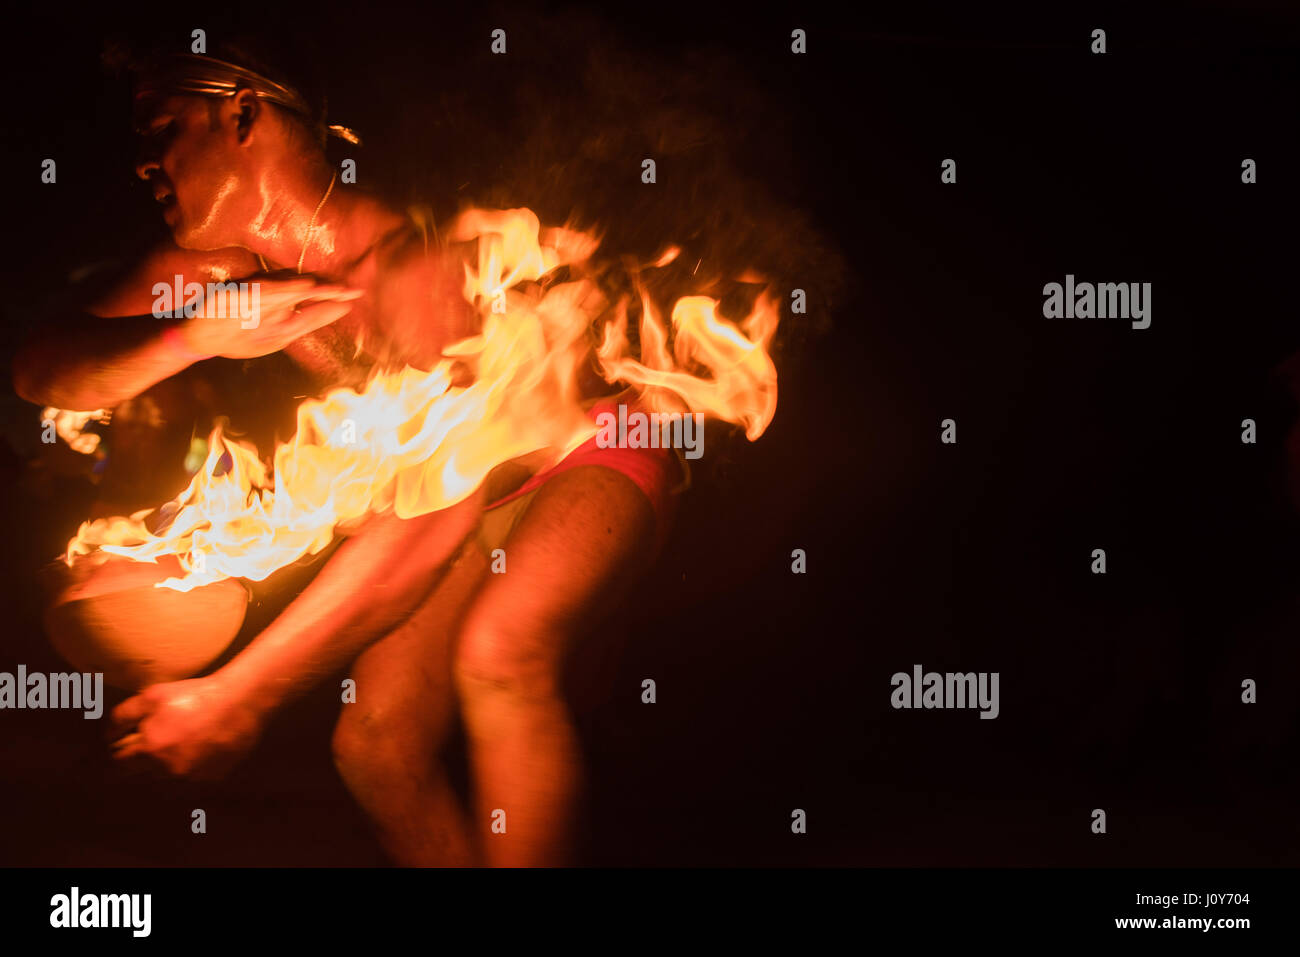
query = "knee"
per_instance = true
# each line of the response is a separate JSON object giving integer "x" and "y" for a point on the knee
{"x": 379, "y": 748}
{"x": 495, "y": 657}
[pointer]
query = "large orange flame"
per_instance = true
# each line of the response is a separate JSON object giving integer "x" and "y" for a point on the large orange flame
{"x": 416, "y": 441}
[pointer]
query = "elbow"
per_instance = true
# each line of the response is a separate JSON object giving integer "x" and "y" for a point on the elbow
{"x": 30, "y": 385}
{"x": 37, "y": 381}
{"x": 41, "y": 389}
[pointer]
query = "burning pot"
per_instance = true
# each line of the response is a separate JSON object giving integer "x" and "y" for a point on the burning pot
{"x": 104, "y": 614}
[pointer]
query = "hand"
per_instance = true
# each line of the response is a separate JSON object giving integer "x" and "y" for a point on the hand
{"x": 287, "y": 309}
{"x": 199, "y": 727}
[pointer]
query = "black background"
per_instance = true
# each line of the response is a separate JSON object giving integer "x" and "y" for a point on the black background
{"x": 1119, "y": 692}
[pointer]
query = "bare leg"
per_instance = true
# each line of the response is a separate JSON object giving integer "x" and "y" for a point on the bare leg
{"x": 387, "y": 744}
{"x": 581, "y": 540}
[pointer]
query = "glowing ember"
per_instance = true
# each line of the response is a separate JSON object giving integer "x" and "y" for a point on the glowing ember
{"x": 414, "y": 442}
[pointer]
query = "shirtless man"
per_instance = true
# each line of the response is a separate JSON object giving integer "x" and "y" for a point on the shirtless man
{"x": 234, "y": 158}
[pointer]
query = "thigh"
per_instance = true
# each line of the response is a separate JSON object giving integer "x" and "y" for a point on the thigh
{"x": 404, "y": 680}
{"x": 582, "y": 539}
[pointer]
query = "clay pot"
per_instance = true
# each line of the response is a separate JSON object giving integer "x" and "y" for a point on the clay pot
{"x": 105, "y": 615}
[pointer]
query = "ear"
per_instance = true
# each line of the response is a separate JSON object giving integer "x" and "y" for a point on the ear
{"x": 243, "y": 112}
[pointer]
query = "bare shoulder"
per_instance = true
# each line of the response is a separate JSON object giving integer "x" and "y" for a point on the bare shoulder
{"x": 418, "y": 304}
{"x": 130, "y": 293}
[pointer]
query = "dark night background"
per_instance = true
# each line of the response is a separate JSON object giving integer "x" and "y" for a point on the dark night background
{"x": 1119, "y": 691}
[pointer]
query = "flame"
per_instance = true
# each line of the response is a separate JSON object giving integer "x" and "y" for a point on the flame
{"x": 417, "y": 441}
{"x": 70, "y": 427}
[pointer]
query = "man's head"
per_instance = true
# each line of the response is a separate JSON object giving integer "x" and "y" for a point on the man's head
{"x": 220, "y": 140}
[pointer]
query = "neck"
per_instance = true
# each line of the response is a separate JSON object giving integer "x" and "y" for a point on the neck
{"x": 284, "y": 232}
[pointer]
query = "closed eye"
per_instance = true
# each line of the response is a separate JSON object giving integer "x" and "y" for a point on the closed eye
{"x": 156, "y": 127}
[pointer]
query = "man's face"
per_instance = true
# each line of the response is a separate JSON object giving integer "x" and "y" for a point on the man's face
{"x": 191, "y": 158}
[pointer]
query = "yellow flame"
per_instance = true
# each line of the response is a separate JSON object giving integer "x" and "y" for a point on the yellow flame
{"x": 69, "y": 426}
{"x": 415, "y": 442}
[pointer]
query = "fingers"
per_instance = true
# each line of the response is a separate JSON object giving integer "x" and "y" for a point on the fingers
{"x": 298, "y": 291}
{"x": 314, "y": 315}
{"x": 290, "y": 313}
{"x": 297, "y": 303}
{"x": 292, "y": 310}
{"x": 137, "y": 755}
{"x": 276, "y": 299}
{"x": 129, "y": 746}
{"x": 298, "y": 286}
{"x": 137, "y": 751}
{"x": 274, "y": 296}
{"x": 128, "y": 714}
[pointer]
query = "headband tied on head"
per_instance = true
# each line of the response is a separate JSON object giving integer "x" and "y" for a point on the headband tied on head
{"x": 206, "y": 76}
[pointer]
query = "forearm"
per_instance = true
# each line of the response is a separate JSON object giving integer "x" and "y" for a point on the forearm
{"x": 369, "y": 587}
{"x": 98, "y": 363}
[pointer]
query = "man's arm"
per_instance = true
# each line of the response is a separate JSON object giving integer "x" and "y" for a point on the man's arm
{"x": 380, "y": 575}
{"x": 370, "y": 585}
{"x": 113, "y": 348}
{"x": 88, "y": 363}
{"x": 103, "y": 345}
